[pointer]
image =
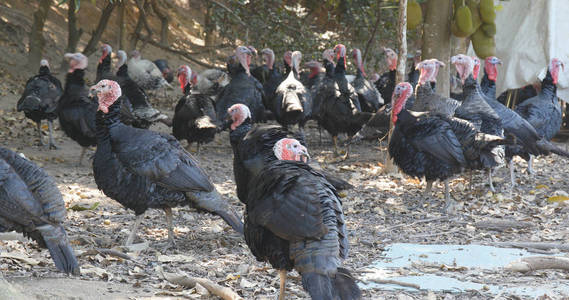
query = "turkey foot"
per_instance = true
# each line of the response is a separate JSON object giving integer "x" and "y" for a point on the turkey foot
{"x": 171, "y": 242}
{"x": 133, "y": 229}
{"x": 51, "y": 141}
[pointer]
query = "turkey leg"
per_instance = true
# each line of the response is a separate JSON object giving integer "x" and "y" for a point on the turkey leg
{"x": 168, "y": 211}
{"x": 490, "y": 182}
{"x": 133, "y": 229}
{"x": 40, "y": 143}
{"x": 51, "y": 141}
{"x": 282, "y": 275}
{"x": 81, "y": 156}
{"x": 512, "y": 175}
{"x": 530, "y": 165}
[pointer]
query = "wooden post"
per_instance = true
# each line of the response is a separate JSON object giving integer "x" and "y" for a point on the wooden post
{"x": 37, "y": 41}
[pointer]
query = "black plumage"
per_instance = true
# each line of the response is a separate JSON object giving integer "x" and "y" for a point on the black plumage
{"x": 76, "y": 111}
{"x": 292, "y": 103}
{"x": 243, "y": 88}
{"x": 194, "y": 117}
{"x": 39, "y": 100}
{"x": 31, "y": 203}
{"x": 143, "y": 169}
{"x": 368, "y": 96}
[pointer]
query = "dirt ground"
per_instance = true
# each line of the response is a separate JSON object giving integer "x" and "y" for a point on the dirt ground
{"x": 380, "y": 211}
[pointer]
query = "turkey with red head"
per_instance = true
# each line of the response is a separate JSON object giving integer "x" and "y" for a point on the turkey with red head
{"x": 143, "y": 169}
{"x": 368, "y": 96}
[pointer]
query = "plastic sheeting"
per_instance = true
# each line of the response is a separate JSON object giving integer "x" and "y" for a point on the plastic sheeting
{"x": 529, "y": 34}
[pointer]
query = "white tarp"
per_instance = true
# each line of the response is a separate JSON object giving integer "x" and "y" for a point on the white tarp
{"x": 529, "y": 34}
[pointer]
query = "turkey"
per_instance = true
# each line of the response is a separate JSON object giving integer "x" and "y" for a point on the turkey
{"x": 376, "y": 127}
{"x": 369, "y": 97}
{"x": 339, "y": 111}
{"x": 318, "y": 89}
{"x": 143, "y": 169}
{"x": 475, "y": 109}
{"x": 76, "y": 112}
{"x": 292, "y": 103}
{"x": 273, "y": 79}
{"x": 243, "y": 88}
{"x": 167, "y": 73}
{"x": 436, "y": 146}
{"x": 425, "y": 97}
{"x": 211, "y": 82}
{"x": 194, "y": 115}
{"x": 145, "y": 73}
{"x": 543, "y": 111}
{"x": 143, "y": 114}
{"x": 104, "y": 66}
{"x": 30, "y": 203}
{"x": 39, "y": 100}
{"x": 386, "y": 82}
{"x": 253, "y": 145}
{"x": 276, "y": 185}
{"x": 528, "y": 140}
{"x": 314, "y": 76}
{"x": 287, "y": 62}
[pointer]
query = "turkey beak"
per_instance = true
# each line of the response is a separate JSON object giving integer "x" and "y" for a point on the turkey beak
{"x": 304, "y": 156}
{"x": 499, "y": 62}
{"x": 226, "y": 123}
{"x": 93, "y": 92}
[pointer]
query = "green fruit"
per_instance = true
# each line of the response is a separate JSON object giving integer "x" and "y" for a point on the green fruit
{"x": 414, "y": 14}
{"x": 483, "y": 45}
{"x": 454, "y": 29}
{"x": 487, "y": 12}
{"x": 463, "y": 19}
{"x": 489, "y": 29}
{"x": 476, "y": 21}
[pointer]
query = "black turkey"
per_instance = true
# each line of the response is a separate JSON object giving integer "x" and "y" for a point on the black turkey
{"x": 39, "y": 100}
{"x": 167, "y": 73}
{"x": 31, "y": 203}
{"x": 143, "y": 169}
{"x": 368, "y": 96}
{"x": 194, "y": 116}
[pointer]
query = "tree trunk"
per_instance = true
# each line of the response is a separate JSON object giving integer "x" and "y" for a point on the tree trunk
{"x": 400, "y": 77}
{"x": 98, "y": 32}
{"x": 37, "y": 41}
{"x": 142, "y": 22}
{"x": 209, "y": 25}
{"x": 73, "y": 33}
{"x": 122, "y": 26}
{"x": 164, "y": 19}
{"x": 436, "y": 39}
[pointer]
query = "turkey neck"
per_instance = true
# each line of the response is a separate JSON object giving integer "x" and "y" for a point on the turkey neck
{"x": 44, "y": 70}
{"x": 470, "y": 86}
{"x": 105, "y": 122}
{"x": 488, "y": 87}
{"x": 329, "y": 68}
{"x": 548, "y": 88}
{"x": 122, "y": 71}
{"x": 237, "y": 135}
{"x": 187, "y": 89}
{"x": 340, "y": 66}
{"x": 75, "y": 77}
{"x": 104, "y": 68}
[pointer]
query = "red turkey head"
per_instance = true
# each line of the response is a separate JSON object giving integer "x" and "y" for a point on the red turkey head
{"x": 122, "y": 57}
{"x": 464, "y": 65}
{"x": 269, "y": 57}
{"x": 106, "y": 50}
{"x": 76, "y": 61}
{"x": 290, "y": 149}
{"x": 108, "y": 92}
{"x": 401, "y": 93}
{"x": 476, "y": 68}
{"x": 328, "y": 55}
{"x": 357, "y": 55}
{"x": 429, "y": 69}
{"x": 44, "y": 63}
{"x": 374, "y": 77}
{"x": 491, "y": 67}
{"x": 184, "y": 76}
{"x": 314, "y": 67}
{"x": 287, "y": 56}
{"x": 238, "y": 114}
{"x": 243, "y": 54}
{"x": 391, "y": 58}
{"x": 554, "y": 68}
{"x": 340, "y": 51}
{"x": 296, "y": 57}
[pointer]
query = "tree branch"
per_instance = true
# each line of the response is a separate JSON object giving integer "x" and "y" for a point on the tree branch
{"x": 98, "y": 32}
{"x": 372, "y": 36}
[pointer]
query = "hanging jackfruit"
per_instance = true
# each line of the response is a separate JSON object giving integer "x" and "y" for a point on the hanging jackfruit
{"x": 483, "y": 45}
{"x": 414, "y": 14}
{"x": 457, "y": 32}
{"x": 487, "y": 12}
{"x": 489, "y": 29}
{"x": 463, "y": 18}
{"x": 476, "y": 21}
